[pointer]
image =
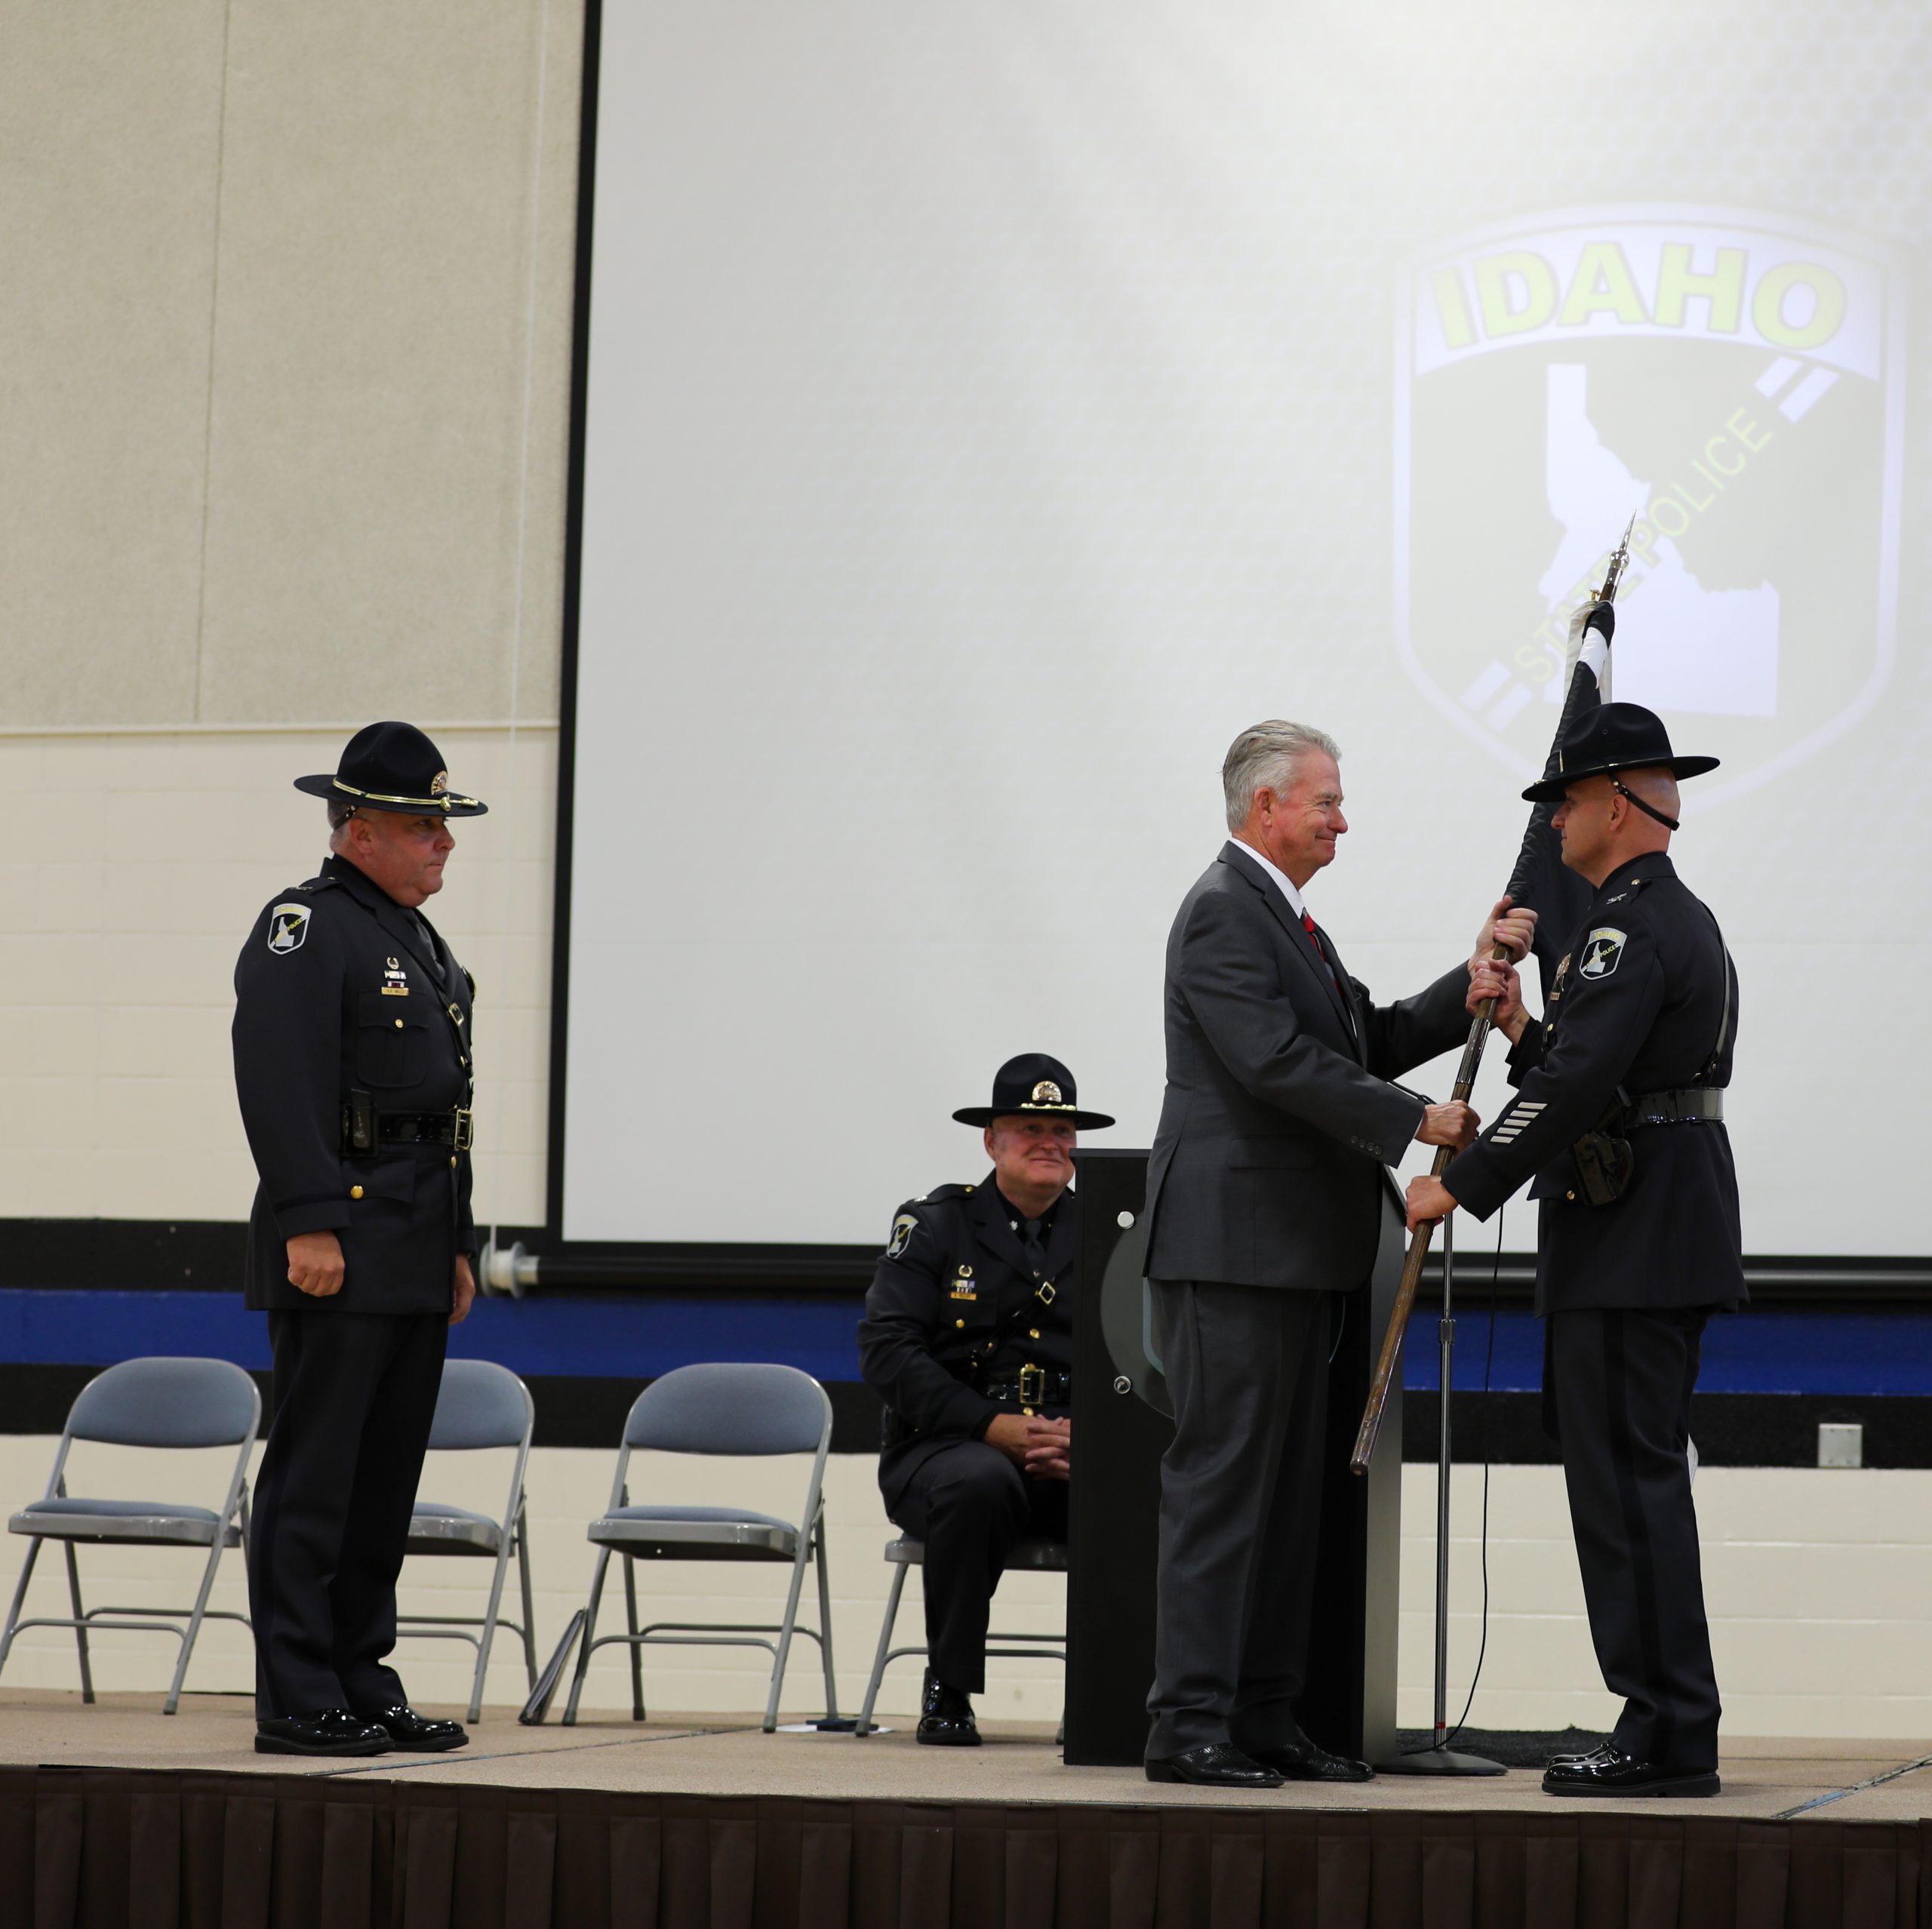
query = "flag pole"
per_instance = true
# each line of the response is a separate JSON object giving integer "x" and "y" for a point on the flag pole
{"x": 1390, "y": 1362}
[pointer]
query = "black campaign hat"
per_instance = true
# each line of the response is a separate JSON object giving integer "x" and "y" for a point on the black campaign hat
{"x": 1033, "y": 1085}
{"x": 393, "y": 767}
{"x": 1614, "y": 736}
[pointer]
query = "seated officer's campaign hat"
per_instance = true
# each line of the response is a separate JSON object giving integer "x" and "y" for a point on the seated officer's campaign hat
{"x": 393, "y": 767}
{"x": 1033, "y": 1085}
{"x": 1613, "y": 738}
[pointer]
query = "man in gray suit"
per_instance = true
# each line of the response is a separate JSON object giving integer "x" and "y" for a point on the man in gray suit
{"x": 1264, "y": 1204}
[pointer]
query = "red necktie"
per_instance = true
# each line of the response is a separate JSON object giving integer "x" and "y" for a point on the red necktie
{"x": 1314, "y": 939}
{"x": 1321, "y": 951}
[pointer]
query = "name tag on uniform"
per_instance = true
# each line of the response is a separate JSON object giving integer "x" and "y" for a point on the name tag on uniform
{"x": 395, "y": 980}
{"x": 964, "y": 1287}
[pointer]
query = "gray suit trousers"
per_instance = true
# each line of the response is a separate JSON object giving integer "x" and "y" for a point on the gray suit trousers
{"x": 1241, "y": 1510}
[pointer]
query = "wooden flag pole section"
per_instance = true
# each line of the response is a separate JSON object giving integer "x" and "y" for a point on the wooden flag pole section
{"x": 1390, "y": 1364}
{"x": 1391, "y": 1361}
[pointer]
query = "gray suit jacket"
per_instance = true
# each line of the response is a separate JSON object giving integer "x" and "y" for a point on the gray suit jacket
{"x": 1279, "y": 1115}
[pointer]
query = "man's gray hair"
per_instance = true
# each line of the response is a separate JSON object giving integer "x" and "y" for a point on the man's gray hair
{"x": 1267, "y": 756}
{"x": 340, "y": 810}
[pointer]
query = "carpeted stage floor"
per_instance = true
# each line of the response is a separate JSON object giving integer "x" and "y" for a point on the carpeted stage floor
{"x": 114, "y": 1814}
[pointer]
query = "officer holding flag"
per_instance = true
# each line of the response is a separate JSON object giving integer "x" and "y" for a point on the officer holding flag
{"x": 1619, "y": 1117}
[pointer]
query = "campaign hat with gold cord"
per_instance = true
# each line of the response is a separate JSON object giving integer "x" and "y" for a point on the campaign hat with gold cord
{"x": 393, "y": 767}
{"x": 1033, "y": 1086}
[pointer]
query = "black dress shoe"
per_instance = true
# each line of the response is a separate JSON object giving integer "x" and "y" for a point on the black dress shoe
{"x": 407, "y": 1729}
{"x": 1300, "y": 1761}
{"x": 1213, "y": 1765}
{"x": 1610, "y": 1772}
{"x": 946, "y": 1717}
{"x": 328, "y": 1731}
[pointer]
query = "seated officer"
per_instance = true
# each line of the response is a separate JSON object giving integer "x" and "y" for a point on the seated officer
{"x": 968, "y": 1339}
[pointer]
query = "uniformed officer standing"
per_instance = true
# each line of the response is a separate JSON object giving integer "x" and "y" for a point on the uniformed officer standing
{"x": 968, "y": 1339}
{"x": 354, "y": 1071}
{"x": 1619, "y": 1115}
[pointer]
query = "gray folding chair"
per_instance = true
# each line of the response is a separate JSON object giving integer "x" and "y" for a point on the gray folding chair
{"x": 718, "y": 1409}
{"x": 1038, "y": 1556}
{"x": 154, "y": 1404}
{"x": 479, "y": 1405}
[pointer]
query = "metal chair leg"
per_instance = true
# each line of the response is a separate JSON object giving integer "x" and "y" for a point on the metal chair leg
{"x": 80, "y": 1620}
{"x": 898, "y": 1588}
{"x": 173, "y": 1700}
{"x": 825, "y": 1626}
{"x": 489, "y": 1631}
{"x": 589, "y": 1635}
{"x": 635, "y": 1651}
{"x": 523, "y": 1577}
{"x": 19, "y": 1597}
{"x": 778, "y": 1660}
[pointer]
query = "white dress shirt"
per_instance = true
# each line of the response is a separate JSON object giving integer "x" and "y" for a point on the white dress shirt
{"x": 1281, "y": 876}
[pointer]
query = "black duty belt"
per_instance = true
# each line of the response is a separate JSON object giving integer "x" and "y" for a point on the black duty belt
{"x": 1692, "y": 1105}
{"x": 1032, "y": 1387}
{"x": 455, "y": 1129}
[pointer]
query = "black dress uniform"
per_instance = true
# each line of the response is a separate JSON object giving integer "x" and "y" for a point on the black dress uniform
{"x": 354, "y": 1071}
{"x": 1637, "y": 1040}
{"x": 970, "y": 1315}
{"x": 959, "y": 1314}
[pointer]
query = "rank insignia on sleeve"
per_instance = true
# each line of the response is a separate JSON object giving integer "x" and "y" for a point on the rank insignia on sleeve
{"x": 902, "y": 1228}
{"x": 288, "y": 925}
{"x": 1603, "y": 952}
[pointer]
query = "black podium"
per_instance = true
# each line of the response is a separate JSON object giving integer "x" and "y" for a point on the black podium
{"x": 1122, "y": 1427}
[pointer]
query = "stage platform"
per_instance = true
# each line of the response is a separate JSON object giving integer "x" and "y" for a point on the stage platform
{"x": 115, "y": 1814}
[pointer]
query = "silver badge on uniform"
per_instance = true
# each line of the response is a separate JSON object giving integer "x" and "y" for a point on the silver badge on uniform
{"x": 902, "y": 1228}
{"x": 1603, "y": 952}
{"x": 288, "y": 925}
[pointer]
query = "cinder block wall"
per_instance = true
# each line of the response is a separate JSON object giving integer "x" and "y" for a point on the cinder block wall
{"x": 1817, "y": 1583}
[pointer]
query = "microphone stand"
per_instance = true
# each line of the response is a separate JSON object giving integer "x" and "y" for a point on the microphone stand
{"x": 1438, "y": 1758}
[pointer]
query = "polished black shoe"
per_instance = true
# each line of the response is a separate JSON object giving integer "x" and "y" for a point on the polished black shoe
{"x": 417, "y": 1733}
{"x": 1213, "y": 1765}
{"x": 328, "y": 1731}
{"x": 1301, "y": 1760}
{"x": 946, "y": 1717}
{"x": 1610, "y": 1772}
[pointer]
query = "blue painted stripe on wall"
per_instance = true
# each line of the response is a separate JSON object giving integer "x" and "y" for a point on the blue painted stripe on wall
{"x": 624, "y": 1338}
{"x": 1773, "y": 1352}
{"x": 1762, "y": 1352}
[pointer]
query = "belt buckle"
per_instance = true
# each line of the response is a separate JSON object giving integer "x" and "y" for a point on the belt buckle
{"x": 1032, "y": 1386}
{"x": 466, "y": 1129}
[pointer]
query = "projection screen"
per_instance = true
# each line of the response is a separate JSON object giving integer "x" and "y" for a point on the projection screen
{"x": 991, "y": 408}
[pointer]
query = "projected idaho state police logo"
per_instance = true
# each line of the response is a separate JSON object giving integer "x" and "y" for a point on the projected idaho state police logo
{"x": 1733, "y": 380}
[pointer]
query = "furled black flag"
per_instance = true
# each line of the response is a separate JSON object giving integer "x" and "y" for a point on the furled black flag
{"x": 1560, "y": 896}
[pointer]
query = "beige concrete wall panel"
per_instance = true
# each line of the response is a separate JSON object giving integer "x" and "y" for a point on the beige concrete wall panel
{"x": 114, "y": 1046}
{"x": 370, "y": 361}
{"x": 109, "y": 125}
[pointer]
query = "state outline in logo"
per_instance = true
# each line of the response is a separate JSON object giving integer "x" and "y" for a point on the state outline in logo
{"x": 1644, "y": 318}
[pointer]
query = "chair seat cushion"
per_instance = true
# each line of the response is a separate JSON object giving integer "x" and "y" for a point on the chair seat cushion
{"x": 437, "y": 1527}
{"x": 78, "y": 1518}
{"x": 667, "y": 1533}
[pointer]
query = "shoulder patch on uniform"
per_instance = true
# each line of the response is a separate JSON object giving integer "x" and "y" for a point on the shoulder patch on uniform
{"x": 903, "y": 1227}
{"x": 1603, "y": 952}
{"x": 289, "y": 926}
